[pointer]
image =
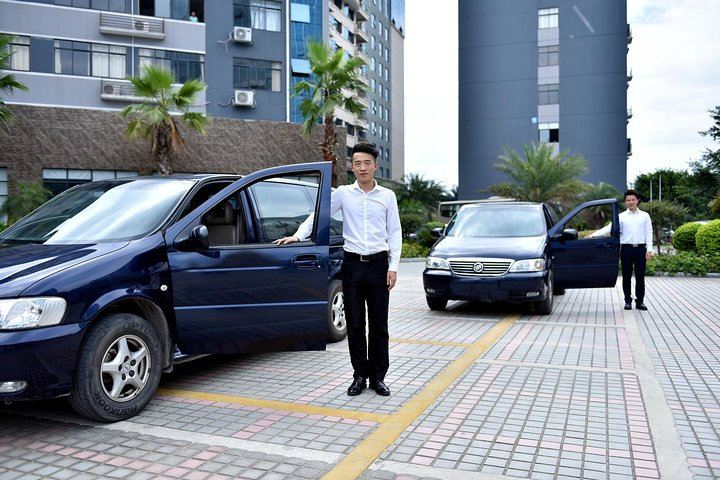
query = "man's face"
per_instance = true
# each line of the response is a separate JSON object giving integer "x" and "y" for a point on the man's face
{"x": 363, "y": 166}
{"x": 631, "y": 202}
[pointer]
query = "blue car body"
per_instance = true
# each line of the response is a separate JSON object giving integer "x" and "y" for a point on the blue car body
{"x": 198, "y": 299}
{"x": 536, "y": 257}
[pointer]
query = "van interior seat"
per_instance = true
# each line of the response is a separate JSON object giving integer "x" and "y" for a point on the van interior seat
{"x": 222, "y": 225}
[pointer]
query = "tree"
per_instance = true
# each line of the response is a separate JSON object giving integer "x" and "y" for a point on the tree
{"x": 425, "y": 193}
{"x": 155, "y": 118}
{"x": 541, "y": 176}
{"x": 24, "y": 200}
{"x": 335, "y": 83}
{"x": 664, "y": 215}
{"x": 8, "y": 83}
{"x": 712, "y": 158}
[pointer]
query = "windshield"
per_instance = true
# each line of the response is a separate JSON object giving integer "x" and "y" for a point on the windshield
{"x": 497, "y": 221}
{"x": 100, "y": 212}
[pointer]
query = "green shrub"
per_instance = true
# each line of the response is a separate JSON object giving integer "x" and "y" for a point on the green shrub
{"x": 425, "y": 237}
{"x": 707, "y": 238}
{"x": 688, "y": 263}
{"x": 413, "y": 250}
{"x": 684, "y": 237}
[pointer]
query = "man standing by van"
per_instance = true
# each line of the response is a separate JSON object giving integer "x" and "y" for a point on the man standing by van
{"x": 373, "y": 244}
{"x": 635, "y": 248}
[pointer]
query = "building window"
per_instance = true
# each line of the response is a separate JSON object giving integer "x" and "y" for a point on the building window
{"x": 20, "y": 57}
{"x": 257, "y": 74}
{"x": 3, "y": 190}
{"x": 350, "y": 128}
{"x": 57, "y": 180}
{"x": 548, "y": 56}
{"x": 90, "y": 59}
{"x": 109, "y": 61}
{"x": 185, "y": 66}
{"x": 548, "y": 17}
{"x": 258, "y": 14}
{"x": 549, "y": 132}
{"x": 549, "y": 94}
{"x": 107, "y": 5}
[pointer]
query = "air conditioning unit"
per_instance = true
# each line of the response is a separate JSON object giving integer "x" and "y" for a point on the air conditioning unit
{"x": 242, "y": 34}
{"x": 244, "y": 98}
{"x": 143, "y": 26}
{"x": 109, "y": 89}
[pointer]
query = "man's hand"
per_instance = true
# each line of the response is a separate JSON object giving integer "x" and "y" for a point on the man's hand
{"x": 391, "y": 279}
{"x": 286, "y": 240}
{"x": 648, "y": 254}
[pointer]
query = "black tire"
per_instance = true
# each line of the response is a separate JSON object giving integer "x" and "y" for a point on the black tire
{"x": 436, "y": 303}
{"x": 545, "y": 307}
{"x": 337, "y": 325}
{"x": 118, "y": 369}
{"x": 559, "y": 291}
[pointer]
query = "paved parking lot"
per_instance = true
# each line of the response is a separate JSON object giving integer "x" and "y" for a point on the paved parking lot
{"x": 478, "y": 392}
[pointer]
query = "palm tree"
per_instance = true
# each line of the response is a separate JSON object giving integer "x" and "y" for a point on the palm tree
{"x": 541, "y": 176}
{"x": 7, "y": 82}
{"x": 426, "y": 193}
{"x": 335, "y": 82}
{"x": 154, "y": 119}
{"x": 26, "y": 198}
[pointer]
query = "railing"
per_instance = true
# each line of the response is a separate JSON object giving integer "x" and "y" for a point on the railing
{"x": 132, "y": 25}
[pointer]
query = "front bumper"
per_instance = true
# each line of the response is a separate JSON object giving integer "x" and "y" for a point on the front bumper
{"x": 43, "y": 359}
{"x": 511, "y": 287}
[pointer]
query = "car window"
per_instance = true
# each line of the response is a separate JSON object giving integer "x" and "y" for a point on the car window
{"x": 101, "y": 212}
{"x": 497, "y": 221}
{"x": 593, "y": 222}
{"x": 281, "y": 207}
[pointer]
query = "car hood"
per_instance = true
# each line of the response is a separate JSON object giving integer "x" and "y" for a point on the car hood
{"x": 496, "y": 247}
{"x": 23, "y": 265}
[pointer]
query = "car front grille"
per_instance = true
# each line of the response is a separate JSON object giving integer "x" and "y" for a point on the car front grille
{"x": 480, "y": 267}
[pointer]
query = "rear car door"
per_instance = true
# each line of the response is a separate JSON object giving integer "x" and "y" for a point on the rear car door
{"x": 590, "y": 259}
{"x": 244, "y": 293}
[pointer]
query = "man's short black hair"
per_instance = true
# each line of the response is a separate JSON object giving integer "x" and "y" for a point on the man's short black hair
{"x": 365, "y": 147}
{"x": 632, "y": 191}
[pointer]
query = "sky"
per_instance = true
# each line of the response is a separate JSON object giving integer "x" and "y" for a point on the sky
{"x": 674, "y": 59}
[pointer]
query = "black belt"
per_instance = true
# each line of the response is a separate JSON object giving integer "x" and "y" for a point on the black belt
{"x": 634, "y": 245}
{"x": 367, "y": 258}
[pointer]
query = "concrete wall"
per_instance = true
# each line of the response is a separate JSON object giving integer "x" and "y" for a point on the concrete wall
{"x": 41, "y": 137}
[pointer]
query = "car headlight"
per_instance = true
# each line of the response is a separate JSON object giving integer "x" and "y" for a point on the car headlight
{"x": 531, "y": 265}
{"x": 31, "y": 312}
{"x": 437, "y": 263}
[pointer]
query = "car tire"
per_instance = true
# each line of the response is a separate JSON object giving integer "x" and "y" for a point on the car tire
{"x": 545, "y": 307}
{"x": 337, "y": 324}
{"x": 118, "y": 369}
{"x": 559, "y": 291}
{"x": 436, "y": 303}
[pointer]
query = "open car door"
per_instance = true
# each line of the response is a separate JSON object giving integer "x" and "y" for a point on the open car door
{"x": 235, "y": 291}
{"x": 585, "y": 246}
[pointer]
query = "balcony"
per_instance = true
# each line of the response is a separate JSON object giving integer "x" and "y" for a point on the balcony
{"x": 132, "y": 25}
{"x": 361, "y": 35}
{"x": 629, "y": 147}
{"x": 361, "y": 52}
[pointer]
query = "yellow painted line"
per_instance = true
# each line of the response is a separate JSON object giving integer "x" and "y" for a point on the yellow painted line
{"x": 433, "y": 342}
{"x": 276, "y": 405}
{"x": 358, "y": 461}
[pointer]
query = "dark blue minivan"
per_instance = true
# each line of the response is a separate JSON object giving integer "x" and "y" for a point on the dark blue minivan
{"x": 108, "y": 284}
{"x": 508, "y": 251}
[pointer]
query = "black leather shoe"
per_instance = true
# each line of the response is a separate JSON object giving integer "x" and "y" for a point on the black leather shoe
{"x": 628, "y": 306}
{"x": 381, "y": 389}
{"x": 357, "y": 386}
{"x": 640, "y": 306}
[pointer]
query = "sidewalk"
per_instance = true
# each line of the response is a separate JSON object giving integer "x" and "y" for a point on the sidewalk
{"x": 482, "y": 392}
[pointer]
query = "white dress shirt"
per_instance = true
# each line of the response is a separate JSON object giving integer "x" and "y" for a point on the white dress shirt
{"x": 371, "y": 222}
{"x": 636, "y": 228}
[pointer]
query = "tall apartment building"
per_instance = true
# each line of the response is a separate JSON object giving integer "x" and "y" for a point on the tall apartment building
{"x": 542, "y": 71}
{"x": 250, "y": 53}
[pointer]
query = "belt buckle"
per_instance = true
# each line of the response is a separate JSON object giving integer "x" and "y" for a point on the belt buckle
{"x": 365, "y": 258}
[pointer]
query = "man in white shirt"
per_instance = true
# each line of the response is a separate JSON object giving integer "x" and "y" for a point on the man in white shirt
{"x": 636, "y": 242}
{"x": 373, "y": 244}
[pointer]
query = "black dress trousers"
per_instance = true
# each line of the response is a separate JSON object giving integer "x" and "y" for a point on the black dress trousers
{"x": 632, "y": 257}
{"x": 365, "y": 284}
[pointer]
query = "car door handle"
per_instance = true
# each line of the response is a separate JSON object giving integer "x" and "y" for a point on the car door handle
{"x": 306, "y": 262}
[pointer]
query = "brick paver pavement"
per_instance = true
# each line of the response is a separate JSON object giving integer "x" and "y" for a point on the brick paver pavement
{"x": 591, "y": 391}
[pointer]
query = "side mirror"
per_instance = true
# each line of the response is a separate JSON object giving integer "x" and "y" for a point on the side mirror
{"x": 436, "y": 232}
{"x": 569, "y": 234}
{"x": 197, "y": 240}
